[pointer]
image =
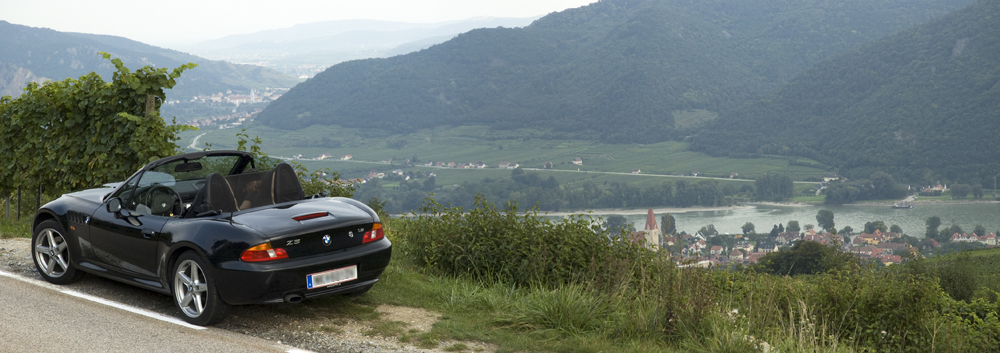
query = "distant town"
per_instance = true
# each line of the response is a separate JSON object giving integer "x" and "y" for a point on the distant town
{"x": 720, "y": 250}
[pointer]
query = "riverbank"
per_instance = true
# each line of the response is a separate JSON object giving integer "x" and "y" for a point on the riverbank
{"x": 643, "y": 211}
{"x": 781, "y": 204}
{"x": 919, "y": 202}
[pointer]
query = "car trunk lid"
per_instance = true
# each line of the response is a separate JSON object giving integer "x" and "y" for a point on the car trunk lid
{"x": 311, "y": 226}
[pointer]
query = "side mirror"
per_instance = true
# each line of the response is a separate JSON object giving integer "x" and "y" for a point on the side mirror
{"x": 114, "y": 205}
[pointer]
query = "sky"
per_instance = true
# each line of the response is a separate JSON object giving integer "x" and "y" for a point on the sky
{"x": 181, "y": 22}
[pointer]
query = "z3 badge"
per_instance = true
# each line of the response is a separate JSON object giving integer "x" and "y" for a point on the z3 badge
{"x": 293, "y": 242}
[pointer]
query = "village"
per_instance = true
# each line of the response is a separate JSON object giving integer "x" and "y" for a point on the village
{"x": 885, "y": 248}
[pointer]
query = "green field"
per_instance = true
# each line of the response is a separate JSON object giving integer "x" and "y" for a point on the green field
{"x": 474, "y": 144}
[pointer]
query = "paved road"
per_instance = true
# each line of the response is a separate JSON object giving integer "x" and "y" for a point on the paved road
{"x": 37, "y": 318}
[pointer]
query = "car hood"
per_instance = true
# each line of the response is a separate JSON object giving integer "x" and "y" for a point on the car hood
{"x": 278, "y": 220}
{"x": 95, "y": 195}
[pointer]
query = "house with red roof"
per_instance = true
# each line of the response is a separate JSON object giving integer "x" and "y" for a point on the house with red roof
{"x": 736, "y": 255}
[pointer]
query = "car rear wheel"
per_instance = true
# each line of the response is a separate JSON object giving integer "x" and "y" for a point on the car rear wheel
{"x": 194, "y": 292}
{"x": 51, "y": 254}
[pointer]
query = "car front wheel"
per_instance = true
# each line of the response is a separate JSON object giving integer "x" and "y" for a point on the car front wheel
{"x": 194, "y": 292}
{"x": 51, "y": 254}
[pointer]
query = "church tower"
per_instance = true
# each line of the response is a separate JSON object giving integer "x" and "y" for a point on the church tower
{"x": 652, "y": 231}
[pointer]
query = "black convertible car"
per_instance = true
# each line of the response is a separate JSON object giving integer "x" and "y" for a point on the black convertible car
{"x": 212, "y": 231}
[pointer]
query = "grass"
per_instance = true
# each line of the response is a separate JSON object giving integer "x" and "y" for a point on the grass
{"x": 11, "y": 228}
{"x": 476, "y": 143}
{"x": 387, "y": 328}
{"x": 813, "y": 199}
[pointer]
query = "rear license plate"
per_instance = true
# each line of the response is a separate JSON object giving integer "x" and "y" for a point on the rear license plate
{"x": 329, "y": 278}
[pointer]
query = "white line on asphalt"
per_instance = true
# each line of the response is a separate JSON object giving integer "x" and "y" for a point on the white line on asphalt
{"x": 125, "y": 307}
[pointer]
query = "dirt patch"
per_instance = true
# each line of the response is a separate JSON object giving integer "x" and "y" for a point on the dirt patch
{"x": 415, "y": 318}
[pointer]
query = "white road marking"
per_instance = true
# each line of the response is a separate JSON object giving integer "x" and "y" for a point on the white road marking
{"x": 121, "y": 306}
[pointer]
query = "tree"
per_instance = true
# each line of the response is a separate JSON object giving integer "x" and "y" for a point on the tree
{"x": 824, "y": 218}
{"x": 977, "y": 191}
{"x": 615, "y": 224}
{"x": 805, "y": 257}
{"x": 781, "y": 228}
{"x": 747, "y": 228}
{"x": 871, "y": 227}
{"x": 885, "y": 187}
{"x": 708, "y": 231}
{"x": 944, "y": 235}
{"x": 668, "y": 225}
{"x": 793, "y": 226}
{"x": 774, "y": 187}
{"x": 809, "y": 226}
{"x": 895, "y": 228}
{"x": 430, "y": 184}
{"x": 932, "y": 223}
{"x": 960, "y": 191}
{"x": 846, "y": 231}
{"x": 78, "y": 133}
{"x": 979, "y": 230}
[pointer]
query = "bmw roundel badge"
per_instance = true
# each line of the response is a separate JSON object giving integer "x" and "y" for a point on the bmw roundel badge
{"x": 326, "y": 240}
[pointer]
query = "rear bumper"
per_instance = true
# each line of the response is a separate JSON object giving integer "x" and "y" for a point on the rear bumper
{"x": 269, "y": 282}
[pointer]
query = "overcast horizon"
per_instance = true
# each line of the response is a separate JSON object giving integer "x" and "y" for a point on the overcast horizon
{"x": 218, "y": 19}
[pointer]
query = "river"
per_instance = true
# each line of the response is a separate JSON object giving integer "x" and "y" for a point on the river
{"x": 763, "y": 217}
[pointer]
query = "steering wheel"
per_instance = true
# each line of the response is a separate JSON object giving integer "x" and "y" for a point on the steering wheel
{"x": 162, "y": 199}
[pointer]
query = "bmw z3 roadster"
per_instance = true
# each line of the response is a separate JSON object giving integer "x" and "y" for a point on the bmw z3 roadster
{"x": 212, "y": 231}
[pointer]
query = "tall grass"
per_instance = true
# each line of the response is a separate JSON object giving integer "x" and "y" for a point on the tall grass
{"x": 569, "y": 281}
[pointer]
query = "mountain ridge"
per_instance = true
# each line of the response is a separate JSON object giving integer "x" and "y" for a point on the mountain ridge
{"x": 48, "y": 54}
{"x": 324, "y": 44}
{"x": 628, "y": 63}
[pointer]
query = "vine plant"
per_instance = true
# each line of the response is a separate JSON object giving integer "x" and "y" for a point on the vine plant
{"x": 78, "y": 133}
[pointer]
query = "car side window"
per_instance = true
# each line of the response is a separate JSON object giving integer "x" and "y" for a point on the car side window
{"x": 125, "y": 192}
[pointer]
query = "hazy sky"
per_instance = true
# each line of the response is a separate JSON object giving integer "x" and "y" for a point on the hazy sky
{"x": 166, "y": 23}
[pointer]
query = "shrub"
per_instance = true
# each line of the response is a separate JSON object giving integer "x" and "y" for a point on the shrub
{"x": 501, "y": 246}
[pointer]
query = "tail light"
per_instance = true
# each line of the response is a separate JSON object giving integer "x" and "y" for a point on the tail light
{"x": 375, "y": 234}
{"x": 263, "y": 252}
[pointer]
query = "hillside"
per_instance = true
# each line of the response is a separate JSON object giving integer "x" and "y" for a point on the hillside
{"x": 614, "y": 71}
{"x": 921, "y": 104}
{"x": 308, "y": 48}
{"x": 37, "y": 54}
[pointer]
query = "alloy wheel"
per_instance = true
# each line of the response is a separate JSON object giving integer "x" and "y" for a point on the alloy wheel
{"x": 191, "y": 288}
{"x": 51, "y": 253}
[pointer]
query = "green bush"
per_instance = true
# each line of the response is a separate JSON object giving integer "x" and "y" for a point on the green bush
{"x": 806, "y": 257}
{"x": 502, "y": 246}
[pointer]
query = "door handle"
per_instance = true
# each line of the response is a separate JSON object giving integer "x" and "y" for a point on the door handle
{"x": 148, "y": 233}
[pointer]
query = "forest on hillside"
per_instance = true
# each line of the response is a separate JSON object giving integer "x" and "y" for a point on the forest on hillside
{"x": 613, "y": 71}
{"x": 920, "y": 105}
